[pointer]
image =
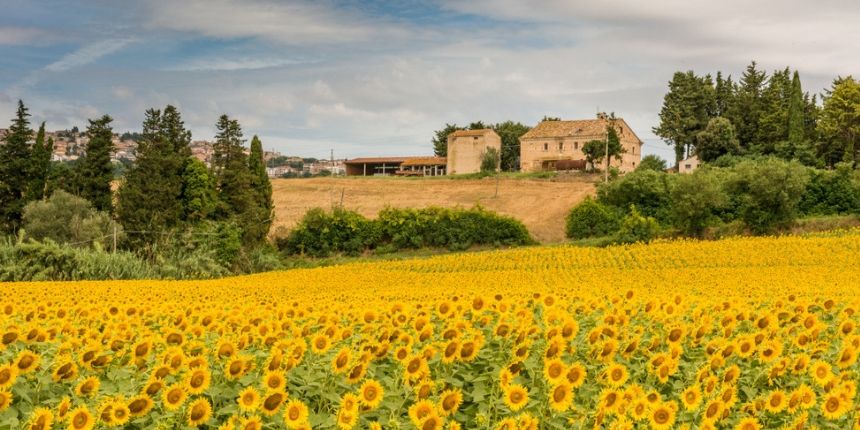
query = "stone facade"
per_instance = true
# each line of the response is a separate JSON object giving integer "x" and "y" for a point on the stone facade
{"x": 689, "y": 164}
{"x": 467, "y": 147}
{"x": 551, "y": 141}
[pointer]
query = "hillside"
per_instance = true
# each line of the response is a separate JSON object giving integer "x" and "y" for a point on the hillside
{"x": 540, "y": 204}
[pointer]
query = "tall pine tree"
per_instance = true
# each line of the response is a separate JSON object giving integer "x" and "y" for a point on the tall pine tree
{"x": 773, "y": 122}
{"x": 746, "y": 108}
{"x": 150, "y": 199}
{"x": 40, "y": 165}
{"x": 261, "y": 216}
{"x": 233, "y": 178}
{"x": 95, "y": 171}
{"x": 687, "y": 108}
{"x": 15, "y": 170}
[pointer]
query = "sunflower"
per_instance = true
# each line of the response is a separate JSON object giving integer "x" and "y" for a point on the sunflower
{"x": 8, "y": 373}
{"x": 776, "y": 402}
{"x": 199, "y": 411}
{"x": 433, "y": 422}
{"x": 153, "y": 387}
{"x": 691, "y": 397}
{"x": 505, "y": 377}
{"x": 834, "y": 407}
{"x": 820, "y": 372}
{"x": 516, "y": 396}
{"x": 847, "y": 357}
{"x": 616, "y": 375}
{"x": 340, "y": 361}
{"x": 415, "y": 368}
{"x": 275, "y": 380}
{"x": 88, "y": 387}
{"x": 508, "y": 424}
{"x": 346, "y": 419}
{"x": 451, "y": 351}
{"x": 250, "y": 423}
{"x": 554, "y": 371}
{"x": 421, "y": 410}
{"x": 249, "y": 399}
{"x": 640, "y": 409}
{"x": 356, "y": 373}
{"x": 272, "y": 402}
{"x": 576, "y": 375}
{"x": 120, "y": 412}
{"x": 198, "y": 381}
{"x": 662, "y": 417}
{"x": 320, "y": 343}
{"x": 40, "y": 419}
{"x": 713, "y": 410}
{"x": 140, "y": 405}
{"x": 174, "y": 396}
{"x": 235, "y": 368}
{"x": 748, "y": 423}
{"x": 769, "y": 351}
{"x": 27, "y": 361}
{"x": 80, "y": 418}
{"x": 450, "y": 401}
{"x": 469, "y": 350}
{"x": 295, "y": 414}
{"x": 62, "y": 408}
{"x": 370, "y": 394}
{"x": 561, "y": 397}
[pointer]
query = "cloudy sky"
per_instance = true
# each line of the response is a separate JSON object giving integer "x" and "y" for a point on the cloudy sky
{"x": 370, "y": 77}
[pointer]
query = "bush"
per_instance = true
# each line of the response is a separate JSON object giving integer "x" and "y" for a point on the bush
{"x": 321, "y": 233}
{"x": 64, "y": 218}
{"x": 490, "y": 160}
{"x": 637, "y": 228}
{"x": 591, "y": 219}
{"x": 767, "y": 193}
{"x": 50, "y": 261}
{"x": 696, "y": 200}
{"x": 831, "y": 192}
{"x": 648, "y": 190}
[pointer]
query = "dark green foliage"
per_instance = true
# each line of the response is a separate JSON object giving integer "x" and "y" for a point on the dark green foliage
{"x": 49, "y": 261}
{"x": 14, "y": 170}
{"x": 40, "y": 165}
{"x": 687, "y": 107}
{"x": 234, "y": 181}
{"x": 321, "y": 233}
{"x": 150, "y": 197}
{"x": 95, "y": 171}
{"x": 490, "y": 161}
{"x": 696, "y": 199}
{"x": 646, "y": 189}
{"x": 440, "y": 139}
{"x": 652, "y": 162}
{"x": 591, "y": 219}
{"x": 748, "y": 105}
{"x": 716, "y": 140}
{"x": 832, "y": 192}
{"x": 199, "y": 196}
{"x": 67, "y": 219}
{"x": 261, "y": 214}
{"x": 341, "y": 231}
{"x": 839, "y": 123}
{"x": 595, "y": 150}
{"x": 510, "y": 133}
{"x": 637, "y": 228}
{"x": 766, "y": 193}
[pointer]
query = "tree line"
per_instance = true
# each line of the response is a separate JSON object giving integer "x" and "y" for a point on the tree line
{"x": 165, "y": 193}
{"x": 761, "y": 114}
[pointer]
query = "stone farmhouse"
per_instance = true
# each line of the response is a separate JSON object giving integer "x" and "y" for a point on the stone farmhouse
{"x": 542, "y": 147}
{"x": 466, "y": 148}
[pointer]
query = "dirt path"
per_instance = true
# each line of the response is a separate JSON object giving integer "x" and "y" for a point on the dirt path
{"x": 540, "y": 204}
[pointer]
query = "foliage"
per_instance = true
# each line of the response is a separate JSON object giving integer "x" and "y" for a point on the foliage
{"x": 49, "y": 261}
{"x": 14, "y": 169}
{"x": 636, "y": 228}
{"x": 40, "y": 165}
{"x": 490, "y": 161}
{"x": 262, "y": 212}
{"x": 766, "y": 194}
{"x": 687, "y": 107}
{"x": 839, "y": 122}
{"x": 321, "y": 233}
{"x": 591, "y": 218}
{"x": 595, "y": 150}
{"x": 95, "y": 171}
{"x": 832, "y": 191}
{"x": 234, "y": 180}
{"x": 696, "y": 199}
{"x": 510, "y": 133}
{"x": 67, "y": 219}
{"x": 199, "y": 196}
{"x": 652, "y": 162}
{"x": 440, "y": 139}
{"x": 717, "y": 139}
{"x": 648, "y": 190}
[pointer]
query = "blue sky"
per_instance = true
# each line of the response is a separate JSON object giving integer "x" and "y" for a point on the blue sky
{"x": 377, "y": 77}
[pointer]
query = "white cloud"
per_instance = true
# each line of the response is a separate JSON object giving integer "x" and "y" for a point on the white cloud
{"x": 122, "y": 92}
{"x": 21, "y": 35}
{"x": 232, "y": 64}
{"x": 87, "y": 54}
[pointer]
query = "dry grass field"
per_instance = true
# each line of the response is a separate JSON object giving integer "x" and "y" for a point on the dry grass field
{"x": 540, "y": 204}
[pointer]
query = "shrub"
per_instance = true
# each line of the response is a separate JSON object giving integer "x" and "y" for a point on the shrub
{"x": 64, "y": 218}
{"x": 591, "y": 219}
{"x": 50, "y": 261}
{"x": 321, "y": 233}
{"x": 490, "y": 160}
{"x": 652, "y": 162}
{"x": 696, "y": 199}
{"x": 637, "y": 228}
{"x": 831, "y": 192}
{"x": 766, "y": 193}
{"x": 646, "y": 189}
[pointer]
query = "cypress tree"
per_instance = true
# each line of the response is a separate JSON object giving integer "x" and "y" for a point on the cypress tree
{"x": 95, "y": 171}
{"x": 795, "y": 113}
{"x": 263, "y": 211}
{"x": 746, "y": 108}
{"x": 40, "y": 165}
{"x": 15, "y": 170}
{"x": 233, "y": 177}
{"x": 150, "y": 199}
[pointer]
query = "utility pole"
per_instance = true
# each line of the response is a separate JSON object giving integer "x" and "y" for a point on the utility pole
{"x": 114, "y": 238}
{"x": 606, "y": 154}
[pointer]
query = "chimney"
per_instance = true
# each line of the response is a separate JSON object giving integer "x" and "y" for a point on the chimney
{"x": 602, "y": 115}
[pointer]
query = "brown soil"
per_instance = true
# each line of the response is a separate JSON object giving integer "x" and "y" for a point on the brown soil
{"x": 540, "y": 204}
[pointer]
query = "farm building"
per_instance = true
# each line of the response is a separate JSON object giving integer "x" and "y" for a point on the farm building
{"x": 551, "y": 143}
{"x": 688, "y": 164}
{"x": 402, "y": 166}
{"x": 423, "y": 166}
{"x": 467, "y": 147}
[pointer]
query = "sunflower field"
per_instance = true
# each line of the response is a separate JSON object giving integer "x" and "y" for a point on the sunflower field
{"x": 746, "y": 333}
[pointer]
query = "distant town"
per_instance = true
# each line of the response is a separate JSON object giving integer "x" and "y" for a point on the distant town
{"x": 70, "y": 144}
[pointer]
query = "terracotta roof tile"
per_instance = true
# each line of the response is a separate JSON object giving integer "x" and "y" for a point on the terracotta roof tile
{"x": 424, "y": 161}
{"x": 469, "y": 133}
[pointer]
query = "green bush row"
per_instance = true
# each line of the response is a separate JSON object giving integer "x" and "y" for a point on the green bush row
{"x": 765, "y": 194}
{"x": 323, "y": 233}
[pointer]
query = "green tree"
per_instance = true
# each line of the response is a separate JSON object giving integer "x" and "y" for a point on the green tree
{"x": 839, "y": 122}
{"x": 687, "y": 107}
{"x": 14, "y": 170}
{"x": 723, "y": 94}
{"x": 797, "y": 145}
{"x": 767, "y": 192}
{"x": 150, "y": 197}
{"x": 550, "y": 118}
{"x": 747, "y": 105}
{"x": 95, "y": 171}
{"x": 652, "y": 162}
{"x": 510, "y": 133}
{"x": 696, "y": 200}
{"x": 263, "y": 212}
{"x": 591, "y": 219}
{"x": 40, "y": 165}
{"x": 773, "y": 123}
{"x": 595, "y": 150}
{"x": 440, "y": 139}
{"x": 716, "y": 140}
{"x": 490, "y": 161}
{"x": 233, "y": 178}
{"x": 199, "y": 196}
{"x": 64, "y": 218}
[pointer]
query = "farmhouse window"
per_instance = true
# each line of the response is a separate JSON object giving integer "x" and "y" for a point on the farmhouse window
{"x": 561, "y": 146}
{"x": 546, "y": 147}
{"x": 575, "y": 145}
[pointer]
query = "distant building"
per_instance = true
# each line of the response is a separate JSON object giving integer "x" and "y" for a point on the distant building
{"x": 466, "y": 149}
{"x": 374, "y": 166}
{"x": 689, "y": 164}
{"x": 542, "y": 147}
{"x": 423, "y": 166}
